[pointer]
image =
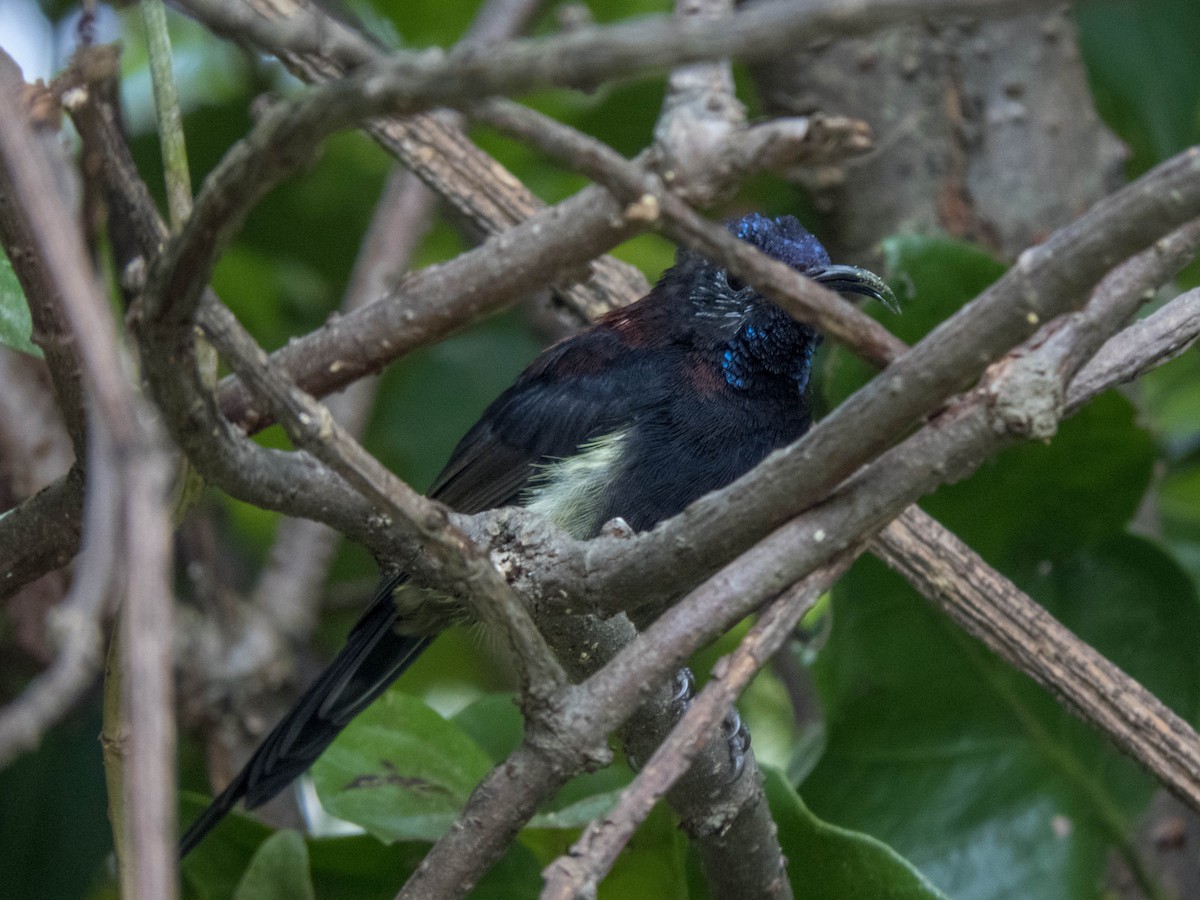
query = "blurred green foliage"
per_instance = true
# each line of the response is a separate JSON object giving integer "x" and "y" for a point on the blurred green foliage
{"x": 929, "y": 748}
{"x": 16, "y": 328}
{"x": 1141, "y": 58}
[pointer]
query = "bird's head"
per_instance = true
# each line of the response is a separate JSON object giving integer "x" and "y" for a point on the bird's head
{"x": 717, "y": 293}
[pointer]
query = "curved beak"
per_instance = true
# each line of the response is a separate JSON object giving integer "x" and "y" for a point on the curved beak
{"x": 853, "y": 280}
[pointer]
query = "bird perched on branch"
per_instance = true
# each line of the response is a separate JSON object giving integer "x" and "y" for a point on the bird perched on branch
{"x": 653, "y": 406}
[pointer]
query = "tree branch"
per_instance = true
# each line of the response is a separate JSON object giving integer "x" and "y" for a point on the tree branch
{"x": 42, "y": 533}
{"x": 50, "y": 332}
{"x": 127, "y": 518}
{"x": 577, "y": 873}
{"x": 589, "y": 56}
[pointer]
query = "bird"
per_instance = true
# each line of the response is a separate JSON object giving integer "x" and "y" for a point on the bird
{"x": 654, "y": 405}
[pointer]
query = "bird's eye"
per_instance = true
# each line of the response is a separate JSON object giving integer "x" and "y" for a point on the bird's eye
{"x": 735, "y": 284}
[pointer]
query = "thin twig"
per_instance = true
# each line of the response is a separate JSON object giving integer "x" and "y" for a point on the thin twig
{"x": 166, "y": 108}
{"x": 1163, "y": 336}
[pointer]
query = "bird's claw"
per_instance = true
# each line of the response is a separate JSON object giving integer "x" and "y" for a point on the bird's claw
{"x": 685, "y": 689}
{"x": 737, "y": 735}
{"x": 737, "y": 738}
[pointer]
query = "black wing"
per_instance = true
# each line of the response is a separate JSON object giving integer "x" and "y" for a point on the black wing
{"x": 578, "y": 389}
{"x": 581, "y": 388}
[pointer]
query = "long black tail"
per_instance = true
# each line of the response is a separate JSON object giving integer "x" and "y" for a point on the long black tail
{"x": 374, "y": 656}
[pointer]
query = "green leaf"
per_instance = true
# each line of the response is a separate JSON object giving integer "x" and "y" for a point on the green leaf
{"x": 1145, "y": 72}
{"x": 1043, "y": 500}
{"x": 583, "y": 798}
{"x": 279, "y": 870}
{"x": 653, "y": 864}
{"x": 969, "y": 769}
{"x": 421, "y": 23}
{"x": 53, "y": 810}
{"x": 348, "y": 868}
{"x": 213, "y": 870}
{"x": 517, "y": 875}
{"x": 933, "y": 277}
{"x": 399, "y": 770}
{"x": 1179, "y": 510}
{"x": 1169, "y": 396}
{"x": 16, "y": 327}
{"x": 495, "y": 724}
{"x": 360, "y": 868}
{"x": 825, "y": 861}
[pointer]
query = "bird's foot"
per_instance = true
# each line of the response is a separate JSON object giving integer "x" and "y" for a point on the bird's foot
{"x": 685, "y": 690}
{"x": 737, "y": 735}
{"x": 681, "y": 699}
{"x": 737, "y": 739}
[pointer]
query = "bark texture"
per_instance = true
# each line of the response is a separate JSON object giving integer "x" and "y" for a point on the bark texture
{"x": 984, "y": 130}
